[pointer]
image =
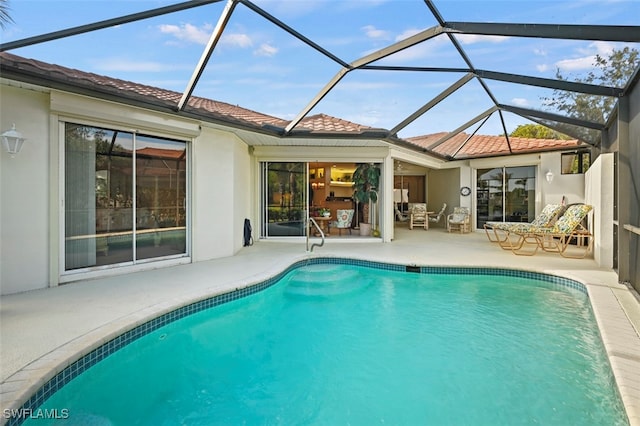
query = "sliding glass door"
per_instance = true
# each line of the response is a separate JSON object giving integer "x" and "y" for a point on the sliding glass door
{"x": 506, "y": 194}
{"x": 125, "y": 197}
{"x": 284, "y": 199}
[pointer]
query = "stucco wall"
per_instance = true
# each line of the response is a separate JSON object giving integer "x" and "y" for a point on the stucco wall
{"x": 443, "y": 187}
{"x": 599, "y": 194}
{"x": 570, "y": 186}
{"x": 221, "y": 192}
{"x": 30, "y": 206}
{"x": 24, "y": 199}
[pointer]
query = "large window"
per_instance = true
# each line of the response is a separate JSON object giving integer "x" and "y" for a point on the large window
{"x": 506, "y": 194}
{"x": 125, "y": 197}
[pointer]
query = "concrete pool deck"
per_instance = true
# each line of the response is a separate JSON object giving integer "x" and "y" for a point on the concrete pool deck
{"x": 43, "y": 331}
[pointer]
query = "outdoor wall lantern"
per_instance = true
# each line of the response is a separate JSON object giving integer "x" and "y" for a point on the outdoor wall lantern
{"x": 549, "y": 176}
{"x": 12, "y": 141}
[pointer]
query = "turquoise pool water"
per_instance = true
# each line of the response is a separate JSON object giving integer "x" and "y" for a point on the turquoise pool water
{"x": 338, "y": 344}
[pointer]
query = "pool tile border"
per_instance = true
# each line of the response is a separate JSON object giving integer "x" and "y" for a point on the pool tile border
{"x": 103, "y": 351}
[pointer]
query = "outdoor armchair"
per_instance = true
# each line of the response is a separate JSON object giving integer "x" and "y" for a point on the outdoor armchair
{"x": 418, "y": 216}
{"x": 436, "y": 217}
{"x": 459, "y": 220}
{"x": 344, "y": 216}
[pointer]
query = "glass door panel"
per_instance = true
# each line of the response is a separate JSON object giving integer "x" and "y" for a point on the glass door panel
{"x": 285, "y": 199}
{"x": 506, "y": 194}
{"x": 117, "y": 211}
{"x": 520, "y": 194}
{"x": 98, "y": 197}
{"x": 489, "y": 196}
{"x": 160, "y": 197}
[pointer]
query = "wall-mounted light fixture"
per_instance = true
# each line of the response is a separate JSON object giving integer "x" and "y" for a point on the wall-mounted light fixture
{"x": 549, "y": 176}
{"x": 12, "y": 141}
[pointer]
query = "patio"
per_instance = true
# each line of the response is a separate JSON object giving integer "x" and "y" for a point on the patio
{"x": 45, "y": 330}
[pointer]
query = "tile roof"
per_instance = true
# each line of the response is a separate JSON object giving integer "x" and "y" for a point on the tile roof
{"x": 461, "y": 146}
{"x": 455, "y": 147}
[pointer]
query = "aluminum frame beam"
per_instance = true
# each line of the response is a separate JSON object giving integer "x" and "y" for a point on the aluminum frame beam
{"x": 567, "y": 132}
{"x": 466, "y": 125}
{"x": 526, "y": 113}
{"x": 358, "y": 63}
{"x": 293, "y": 32}
{"x": 627, "y": 33}
{"x": 208, "y": 51}
{"x": 103, "y": 24}
{"x": 590, "y": 89}
{"x": 461, "y": 51}
{"x": 433, "y": 102}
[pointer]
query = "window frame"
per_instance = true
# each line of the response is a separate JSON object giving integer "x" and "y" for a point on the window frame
{"x": 68, "y": 275}
{"x": 580, "y": 157}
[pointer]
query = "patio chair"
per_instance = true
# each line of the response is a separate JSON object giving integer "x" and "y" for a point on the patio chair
{"x": 436, "y": 217}
{"x": 546, "y": 218}
{"x": 418, "y": 216}
{"x": 553, "y": 239}
{"x": 344, "y": 216}
{"x": 459, "y": 220}
{"x": 401, "y": 217}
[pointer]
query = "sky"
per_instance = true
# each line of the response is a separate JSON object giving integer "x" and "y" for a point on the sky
{"x": 259, "y": 66}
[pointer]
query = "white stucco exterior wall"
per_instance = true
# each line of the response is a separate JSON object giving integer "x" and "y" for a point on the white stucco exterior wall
{"x": 30, "y": 209}
{"x": 599, "y": 194}
{"x": 221, "y": 192}
{"x": 444, "y": 187}
{"x": 24, "y": 198}
{"x": 571, "y": 185}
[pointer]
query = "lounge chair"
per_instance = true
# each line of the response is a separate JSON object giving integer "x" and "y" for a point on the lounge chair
{"x": 545, "y": 219}
{"x": 418, "y": 216}
{"x": 553, "y": 239}
{"x": 459, "y": 220}
{"x": 436, "y": 217}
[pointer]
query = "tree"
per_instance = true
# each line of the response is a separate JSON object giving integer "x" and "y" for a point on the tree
{"x": 613, "y": 70}
{"x": 537, "y": 131}
{"x": 5, "y": 18}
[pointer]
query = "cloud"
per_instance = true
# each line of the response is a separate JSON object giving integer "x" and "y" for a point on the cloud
{"x": 576, "y": 64}
{"x": 188, "y": 32}
{"x": 373, "y": 32}
{"x": 521, "y": 102}
{"x": 542, "y": 67}
{"x": 586, "y": 61}
{"x": 266, "y": 50}
{"x": 475, "y": 38}
{"x": 236, "y": 40}
{"x": 200, "y": 35}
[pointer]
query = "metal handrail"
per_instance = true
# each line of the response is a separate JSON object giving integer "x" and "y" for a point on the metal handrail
{"x": 310, "y": 221}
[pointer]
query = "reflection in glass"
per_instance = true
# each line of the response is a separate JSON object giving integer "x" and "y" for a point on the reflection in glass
{"x": 506, "y": 194}
{"x": 160, "y": 197}
{"x": 285, "y": 199}
{"x": 575, "y": 162}
{"x": 100, "y": 199}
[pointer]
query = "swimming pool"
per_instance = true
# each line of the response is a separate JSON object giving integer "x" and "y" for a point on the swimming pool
{"x": 334, "y": 343}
